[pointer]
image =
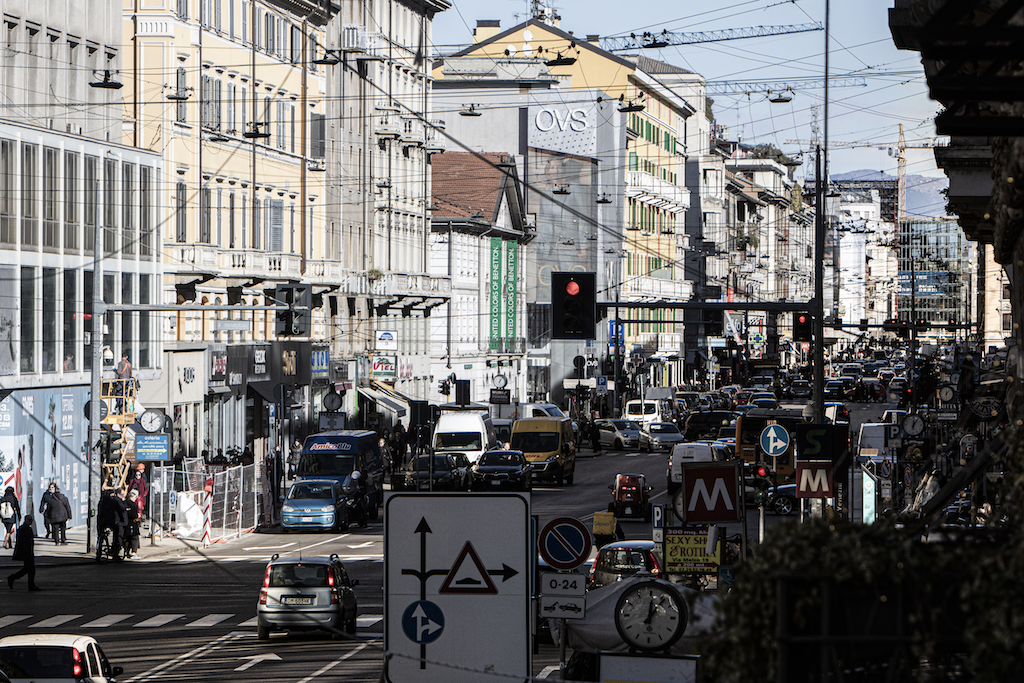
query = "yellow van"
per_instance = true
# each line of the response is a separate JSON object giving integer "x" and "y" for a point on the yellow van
{"x": 548, "y": 443}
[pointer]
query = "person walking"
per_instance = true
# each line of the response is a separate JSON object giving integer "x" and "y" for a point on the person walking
{"x": 25, "y": 551}
{"x": 58, "y": 512}
{"x": 294, "y": 456}
{"x": 138, "y": 483}
{"x": 134, "y": 517}
{"x": 10, "y": 513}
{"x": 44, "y": 501}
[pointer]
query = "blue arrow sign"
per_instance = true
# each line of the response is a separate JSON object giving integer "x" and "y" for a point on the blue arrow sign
{"x": 423, "y": 622}
{"x": 774, "y": 440}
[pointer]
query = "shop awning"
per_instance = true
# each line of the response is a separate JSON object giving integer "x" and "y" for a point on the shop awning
{"x": 265, "y": 390}
{"x": 386, "y": 402}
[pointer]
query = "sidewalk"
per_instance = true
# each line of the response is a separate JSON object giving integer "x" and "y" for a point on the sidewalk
{"x": 48, "y": 554}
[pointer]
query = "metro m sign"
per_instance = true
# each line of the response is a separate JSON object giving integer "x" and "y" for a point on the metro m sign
{"x": 814, "y": 480}
{"x": 709, "y": 493}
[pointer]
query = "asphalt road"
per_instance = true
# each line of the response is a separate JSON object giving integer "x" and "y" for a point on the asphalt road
{"x": 188, "y": 617}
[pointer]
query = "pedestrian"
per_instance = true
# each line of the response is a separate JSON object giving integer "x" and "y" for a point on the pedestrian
{"x": 401, "y": 438}
{"x": 44, "y": 501}
{"x": 25, "y": 551}
{"x": 10, "y": 513}
{"x": 134, "y": 519}
{"x": 139, "y": 484}
{"x": 294, "y": 455}
{"x": 123, "y": 371}
{"x": 58, "y": 512}
{"x": 595, "y": 436}
{"x": 385, "y": 453}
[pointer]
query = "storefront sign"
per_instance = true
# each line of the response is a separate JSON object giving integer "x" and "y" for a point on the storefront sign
{"x": 237, "y": 357}
{"x": 259, "y": 363}
{"x": 153, "y": 447}
{"x": 218, "y": 364}
{"x": 320, "y": 363}
{"x": 511, "y": 288}
{"x": 686, "y": 552}
{"x": 501, "y": 396}
{"x": 383, "y": 367}
{"x": 494, "y": 300}
{"x": 387, "y": 340}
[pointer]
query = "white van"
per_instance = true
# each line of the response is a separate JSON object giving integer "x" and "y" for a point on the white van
{"x": 686, "y": 453}
{"x": 468, "y": 432}
{"x": 871, "y": 445}
{"x": 649, "y": 410}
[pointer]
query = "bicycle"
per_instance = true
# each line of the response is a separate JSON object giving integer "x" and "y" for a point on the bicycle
{"x": 106, "y": 550}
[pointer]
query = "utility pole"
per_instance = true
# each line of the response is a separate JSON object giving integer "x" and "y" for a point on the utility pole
{"x": 95, "y": 382}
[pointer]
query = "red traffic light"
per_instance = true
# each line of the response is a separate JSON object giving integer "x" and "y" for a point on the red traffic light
{"x": 572, "y": 288}
{"x": 763, "y": 471}
{"x": 802, "y": 319}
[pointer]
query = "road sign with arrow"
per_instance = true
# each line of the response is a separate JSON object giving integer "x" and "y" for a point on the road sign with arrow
{"x": 456, "y": 592}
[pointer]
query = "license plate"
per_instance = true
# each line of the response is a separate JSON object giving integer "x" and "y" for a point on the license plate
{"x": 293, "y": 600}
{"x": 495, "y": 483}
{"x": 307, "y": 519}
{"x": 629, "y": 510}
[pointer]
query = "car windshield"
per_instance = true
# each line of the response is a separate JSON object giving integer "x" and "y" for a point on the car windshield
{"x": 298, "y": 576}
{"x": 313, "y": 491}
{"x": 626, "y": 424}
{"x": 500, "y": 458}
{"x": 457, "y": 441}
{"x": 535, "y": 442}
{"x": 325, "y": 465}
{"x": 422, "y": 463}
{"x": 663, "y": 428}
{"x": 621, "y": 561}
{"x": 37, "y": 661}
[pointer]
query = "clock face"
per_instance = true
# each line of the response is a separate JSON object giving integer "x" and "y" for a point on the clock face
{"x": 650, "y": 616}
{"x": 332, "y": 401}
{"x": 152, "y": 420}
{"x": 946, "y": 393}
{"x": 913, "y": 425}
{"x": 500, "y": 381}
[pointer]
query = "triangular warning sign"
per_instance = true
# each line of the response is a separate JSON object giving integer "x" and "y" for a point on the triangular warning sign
{"x": 468, "y": 577}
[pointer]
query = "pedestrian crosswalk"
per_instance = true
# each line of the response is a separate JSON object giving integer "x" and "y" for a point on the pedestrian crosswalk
{"x": 347, "y": 559}
{"x": 66, "y": 622}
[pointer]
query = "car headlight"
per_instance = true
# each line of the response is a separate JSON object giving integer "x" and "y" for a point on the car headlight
{"x": 552, "y": 458}
{"x": 287, "y": 508}
{"x": 327, "y": 508}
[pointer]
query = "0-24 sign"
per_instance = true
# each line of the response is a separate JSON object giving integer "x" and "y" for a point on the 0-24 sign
{"x": 566, "y": 584}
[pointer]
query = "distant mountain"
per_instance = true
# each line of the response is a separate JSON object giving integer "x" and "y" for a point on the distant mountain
{"x": 925, "y": 195}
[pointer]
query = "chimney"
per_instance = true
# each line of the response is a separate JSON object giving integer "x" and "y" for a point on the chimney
{"x": 486, "y": 28}
{"x": 593, "y": 39}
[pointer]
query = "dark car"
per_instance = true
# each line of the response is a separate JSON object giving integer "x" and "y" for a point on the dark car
{"x": 705, "y": 425}
{"x": 447, "y": 475}
{"x": 631, "y": 496}
{"x": 835, "y": 389}
{"x": 301, "y": 593}
{"x": 501, "y": 470}
{"x": 622, "y": 559}
{"x": 800, "y": 388}
{"x": 782, "y": 500}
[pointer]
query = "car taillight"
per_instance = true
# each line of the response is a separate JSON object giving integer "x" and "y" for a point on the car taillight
{"x": 77, "y": 657}
{"x": 266, "y": 578}
{"x": 593, "y": 568}
{"x": 334, "y": 597}
{"x": 263, "y": 596}
{"x": 330, "y": 579}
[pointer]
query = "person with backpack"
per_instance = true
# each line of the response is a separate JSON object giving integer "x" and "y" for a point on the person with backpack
{"x": 58, "y": 512}
{"x": 10, "y": 513}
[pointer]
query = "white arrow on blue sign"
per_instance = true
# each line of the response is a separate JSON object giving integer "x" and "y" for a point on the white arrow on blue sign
{"x": 774, "y": 440}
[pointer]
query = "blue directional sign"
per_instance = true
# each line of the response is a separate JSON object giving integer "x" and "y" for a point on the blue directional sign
{"x": 774, "y": 440}
{"x": 914, "y": 375}
{"x": 423, "y": 622}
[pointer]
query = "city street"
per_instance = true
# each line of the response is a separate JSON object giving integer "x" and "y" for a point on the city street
{"x": 175, "y": 614}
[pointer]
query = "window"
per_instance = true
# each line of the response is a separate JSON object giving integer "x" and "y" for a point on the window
{"x": 109, "y": 206}
{"x": 29, "y": 200}
{"x": 220, "y": 233}
{"x": 256, "y": 221}
{"x": 8, "y": 234}
{"x": 204, "y": 214}
{"x": 245, "y": 23}
{"x": 145, "y": 318}
{"x": 181, "y": 111}
{"x": 293, "y": 129}
{"x": 128, "y": 317}
{"x": 183, "y": 9}
{"x": 317, "y": 144}
{"x": 48, "y": 304}
{"x": 70, "y": 201}
{"x": 244, "y": 214}
{"x": 231, "y": 107}
{"x": 231, "y": 220}
{"x": 1007, "y": 322}
{"x": 128, "y": 208}
{"x": 216, "y": 14}
{"x": 281, "y": 139}
{"x": 296, "y": 51}
{"x": 231, "y": 18}
{"x": 87, "y": 293}
{"x": 1006, "y": 292}
{"x": 71, "y": 330}
{"x": 146, "y": 212}
{"x": 89, "y": 208}
{"x": 51, "y": 211}
{"x": 181, "y": 214}
{"x": 28, "y": 319}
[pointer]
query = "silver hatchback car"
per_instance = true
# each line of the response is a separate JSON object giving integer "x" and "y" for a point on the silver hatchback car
{"x": 306, "y": 593}
{"x": 618, "y": 434}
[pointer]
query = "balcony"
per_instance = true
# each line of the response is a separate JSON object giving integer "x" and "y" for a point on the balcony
{"x": 655, "y": 289}
{"x": 654, "y": 191}
{"x": 354, "y": 38}
{"x": 433, "y": 138}
{"x": 387, "y": 105}
{"x": 247, "y": 263}
{"x": 388, "y": 127}
{"x": 412, "y": 132}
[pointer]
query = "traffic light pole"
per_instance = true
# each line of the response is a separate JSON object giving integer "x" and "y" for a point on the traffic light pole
{"x": 818, "y": 305}
{"x": 95, "y": 380}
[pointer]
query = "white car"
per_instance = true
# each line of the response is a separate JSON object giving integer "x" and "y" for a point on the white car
{"x": 659, "y": 436}
{"x": 618, "y": 434}
{"x": 54, "y": 657}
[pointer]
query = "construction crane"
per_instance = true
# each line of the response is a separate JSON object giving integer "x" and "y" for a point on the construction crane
{"x": 654, "y": 41}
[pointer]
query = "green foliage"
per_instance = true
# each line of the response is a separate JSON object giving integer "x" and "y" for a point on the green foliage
{"x": 767, "y": 150}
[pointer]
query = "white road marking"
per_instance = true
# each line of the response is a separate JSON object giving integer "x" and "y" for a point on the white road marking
{"x": 12, "y": 619}
{"x": 256, "y": 659}
{"x": 56, "y": 621}
{"x": 546, "y": 671}
{"x": 329, "y": 540}
{"x": 106, "y": 621}
{"x": 333, "y": 664}
{"x": 249, "y": 622}
{"x": 368, "y": 620}
{"x": 271, "y": 547}
{"x": 159, "y": 669}
{"x": 210, "y": 620}
{"x": 361, "y": 545}
{"x": 158, "y": 620}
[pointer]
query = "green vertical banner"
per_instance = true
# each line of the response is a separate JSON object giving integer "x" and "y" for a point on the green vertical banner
{"x": 511, "y": 291}
{"x": 494, "y": 302}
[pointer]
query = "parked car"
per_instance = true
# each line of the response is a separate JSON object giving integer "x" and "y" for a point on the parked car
{"x": 447, "y": 474}
{"x": 303, "y": 593}
{"x": 618, "y": 434}
{"x": 53, "y": 657}
{"x": 782, "y": 500}
{"x": 501, "y": 470}
{"x": 659, "y": 436}
{"x": 800, "y": 388}
{"x": 315, "y": 504}
{"x": 622, "y": 559}
{"x": 631, "y": 496}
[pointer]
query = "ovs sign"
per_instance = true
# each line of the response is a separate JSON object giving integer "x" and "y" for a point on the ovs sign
{"x": 548, "y": 119}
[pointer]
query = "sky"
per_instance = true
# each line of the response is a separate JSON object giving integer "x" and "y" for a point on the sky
{"x": 861, "y": 46}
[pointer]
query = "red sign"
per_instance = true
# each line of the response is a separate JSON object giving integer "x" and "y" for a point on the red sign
{"x": 814, "y": 480}
{"x": 709, "y": 494}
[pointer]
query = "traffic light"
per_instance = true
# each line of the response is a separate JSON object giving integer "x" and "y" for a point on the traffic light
{"x": 293, "y": 322}
{"x": 574, "y": 306}
{"x": 114, "y": 443}
{"x": 923, "y": 325}
{"x": 952, "y": 325}
{"x": 762, "y": 482}
{"x": 863, "y": 325}
{"x": 904, "y": 329}
{"x": 443, "y": 387}
{"x": 803, "y": 327}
